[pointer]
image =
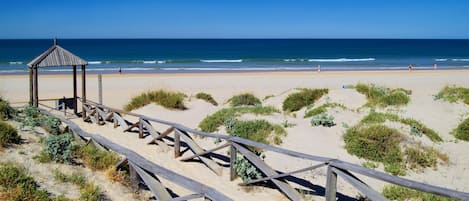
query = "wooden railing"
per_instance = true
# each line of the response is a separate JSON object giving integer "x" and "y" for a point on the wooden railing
{"x": 146, "y": 126}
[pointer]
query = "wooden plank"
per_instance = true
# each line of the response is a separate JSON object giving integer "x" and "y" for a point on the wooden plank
{"x": 101, "y": 113}
{"x": 153, "y": 184}
{"x": 233, "y": 156}
{"x": 124, "y": 161}
{"x": 188, "y": 197}
{"x": 140, "y": 128}
{"x": 132, "y": 126}
{"x": 331, "y": 185}
{"x": 120, "y": 121}
{"x": 177, "y": 144}
{"x": 97, "y": 145}
{"x": 197, "y": 150}
{"x": 150, "y": 129}
{"x": 268, "y": 171}
{"x": 169, "y": 175}
{"x": 205, "y": 152}
{"x": 165, "y": 133}
{"x": 283, "y": 174}
{"x": 90, "y": 114}
{"x": 109, "y": 116}
{"x": 134, "y": 178}
{"x": 362, "y": 187}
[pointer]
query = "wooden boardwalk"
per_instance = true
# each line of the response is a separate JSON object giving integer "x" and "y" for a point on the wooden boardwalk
{"x": 182, "y": 135}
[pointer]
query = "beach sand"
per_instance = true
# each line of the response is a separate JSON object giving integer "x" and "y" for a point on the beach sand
{"x": 118, "y": 90}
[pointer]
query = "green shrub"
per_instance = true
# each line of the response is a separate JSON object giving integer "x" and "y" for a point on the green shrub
{"x": 256, "y": 130}
{"x": 393, "y": 192}
{"x": 50, "y": 124}
{"x": 59, "y": 147}
{"x": 170, "y": 100}
{"x": 97, "y": 159}
{"x": 370, "y": 165}
{"x": 462, "y": 131}
{"x": 90, "y": 192}
{"x": 207, "y": 97}
{"x": 303, "y": 98}
{"x": 431, "y": 134}
{"x": 323, "y": 119}
{"x": 212, "y": 122}
{"x": 18, "y": 185}
{"x": 420, "y": 157}
{"x": 8, "y": 134}
{"x": 246, "y": 170}
{"x": 322, "y": 109}
{"x": 30, "y": 111}
{"x": 397, "y": 169}
{"x": 374, "y": 142}
{"x": 244, "y": 99}
{"x": 382, "y": 96}
{"x": 453, "y": 94}
{"x": 6, "y": 111}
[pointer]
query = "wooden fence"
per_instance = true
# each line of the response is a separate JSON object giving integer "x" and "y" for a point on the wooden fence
{"x": 147, "y": 126}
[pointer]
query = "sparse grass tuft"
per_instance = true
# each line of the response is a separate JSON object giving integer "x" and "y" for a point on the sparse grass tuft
{"x": 256, "y": 130}
{"x": 207, "y": 97}
{"x": 462, "y": 131}
{"x": 8, "y": 134}
{"x": 322, "y": 109}
{"x": 90, "y": 192}
{"x": 74, "y": 178}
{"x": 6, "y": 111}
{"x": 118, "y": 176}
{"x": 97, "y": 159}
{"x": 244, "y": 99}
{"x": 303, "y": 98}
{"x": 212, "y": 122}
{"x": 420, "y": 157}
{"x": 370, "y": 164}
{"x": 167, "y": 99}
{"x": 393, "y": 192}
{"x": 382, "y": 96}
{"x": 453, "y": 94}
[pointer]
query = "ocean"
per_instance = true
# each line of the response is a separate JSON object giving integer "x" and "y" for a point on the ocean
{"x": 202, "y": 55}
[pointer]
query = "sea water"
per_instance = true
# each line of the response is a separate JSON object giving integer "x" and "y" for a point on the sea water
{"x": 202, "y": 55}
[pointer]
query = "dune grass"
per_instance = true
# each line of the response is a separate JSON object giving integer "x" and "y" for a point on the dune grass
{"x": 303, "y": 98}
{"x": 462, "y": 131}
{"x": 454, "y": 94}
{"x": 95, "y": 158}
{"x": 8, "y": 134}
{"x": 206, "y": 97}
{"x": 6, "y": 111}
{"x": 256, "y": 130}
{"x": 212, "y": 122}
{"x": 382, "y": 96}
{"x": 322, "y": 109}
{"x": 88, "y": 190}
{"x": 245, "y": 99}
{"x": 376, "y": 117}
{"x": 393, "y": 192}
{"x": 167, "y": 99}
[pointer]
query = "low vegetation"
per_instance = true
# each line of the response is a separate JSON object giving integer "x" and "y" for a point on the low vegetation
{"x": 88, "y": 191}
{"x": 120, "y": 176}
{"x": 244, "y": 99}
{"x": 58, "y": 148}
{"x": 32, "y": 117}
{"x": 417, "y": 128}
{"x": 95, "y": 158}
{"x": 212, "y": 122}
{"x": 462, "y": 131}
{"x": 8, "y": 134}
{"x": 6, "y": 111}
{"x": 256, "y": 130}
{"x": 303, "y": 98}
{"x": 206, "y": 97}
{"x": 246, "y": 170}
{"x": 167, "y": 99}
{"x": 16, "y": 184}
{"x": 322, "y": 109}
{"x": 383, "y": 96}
{"x": 393, "y": 192}
{"x": 454, "y": 94}
{"x": 323, "y": 119}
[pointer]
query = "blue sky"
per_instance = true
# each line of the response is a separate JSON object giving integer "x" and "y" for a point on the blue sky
{"x": 234, "y": 19}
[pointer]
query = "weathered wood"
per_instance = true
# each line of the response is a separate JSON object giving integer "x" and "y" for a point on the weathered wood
{"x": 188, "y": 197}
{"x": 97, "y": 145}
{"x": 149, "y": 129}
{"x": 205, "y": 152}
{"x": 331, "y": 184}
{"x": 233, "y": 156}
{"x": 283, "y": 174}
{"x": 124, "y": 161}
{"x": 268, "y": 171}
{"x": 83, "y": 88}
{"x": 31, "y": 86}
{"x": 100, "y": 88}
{"x": 177, "y": 144}
{"x": 140, "y": 128}
{"x": 36, "y": 87}
{"x": 101, "y": 113}
{"x": 134, "y": 178}
{"x": 120, "y": 121}
{"x": 165, "y": 133}
{"x": 362, "y": 187}
{"x": 91, "y": 113}
{"x": 154, "y": 185}
{"x": 75, "y": 103}
{"x": 136, "y": 124}
{"x": 197, "y": 150}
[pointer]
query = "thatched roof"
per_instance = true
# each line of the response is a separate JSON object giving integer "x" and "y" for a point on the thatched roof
{"x": 56, "y": 56}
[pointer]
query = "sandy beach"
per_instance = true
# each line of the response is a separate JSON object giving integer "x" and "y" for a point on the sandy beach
{"x": 118, "y": 89}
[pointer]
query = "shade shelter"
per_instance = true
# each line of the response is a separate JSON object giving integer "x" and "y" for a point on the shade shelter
{"x": 56, "y": 56}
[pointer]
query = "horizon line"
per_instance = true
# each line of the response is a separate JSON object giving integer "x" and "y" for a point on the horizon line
{"x": 227, "y": 38}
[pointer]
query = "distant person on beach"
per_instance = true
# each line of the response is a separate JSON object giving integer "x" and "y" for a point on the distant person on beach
{"x": 120, "y": 70}
{"x": 410, "y": 67}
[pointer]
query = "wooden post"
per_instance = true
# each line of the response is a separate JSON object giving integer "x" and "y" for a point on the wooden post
{"x": 134, "y": 178}
{"x": 31, "y": 86}
{"x": 36, "y": 90}
{"x": 331, "y": 184}
{"x": 140, "y": 128}
{"x": 100, "y": 89}
{"x": 232, "y": 162}
{"x": 177, "y": 143}
{"x": 83, "y": 90}
{"x": 75, "y": 108}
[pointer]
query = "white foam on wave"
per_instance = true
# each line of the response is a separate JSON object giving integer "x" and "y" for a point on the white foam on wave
{"x": 161, "y": 62}
{"x": 341, "y": 60}
{"x": 15, "y": 62}
{"x": 95, "y": 62}
{"x": 441, "y": 59}
{"x": 459, "y": 59}
{"x": 222, "y": 61}
{"x": 294, "y": 60}
{"x": 149, "y": 62}
{"x": 239, "y": 69}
